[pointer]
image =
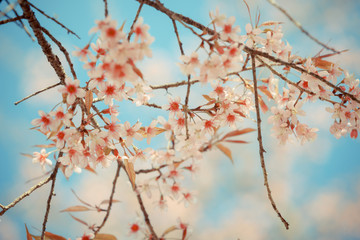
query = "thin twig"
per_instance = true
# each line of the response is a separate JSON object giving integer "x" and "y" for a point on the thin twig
{"x": 146, "y": 217}
{"x": 51, "y": 194}
{"x": 261, "y": 147}
{"x": 61, "y": 47}
{"x": 62, "y": 25}
{"x": 36, "y": 93}
{"x": 106, "y": 8}
{"x": 297, "y": 24}
{"x": 186, "y": 106}
{"x": 22, "y": 25}
{"x": 173, "y": 85}
{"x": 24, "y": 195}
{"x": 135, "y": 19}
{"x": 12, "y": 19}
{"x": 119, "y": 166}
{"x": 290, "y": 82}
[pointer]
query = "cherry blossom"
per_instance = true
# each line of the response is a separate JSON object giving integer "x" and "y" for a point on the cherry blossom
{"x": 72, "y": 90}
{"x": 41, "y": 157}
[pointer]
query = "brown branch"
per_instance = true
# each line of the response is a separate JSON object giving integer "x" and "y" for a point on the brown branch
{"x": 119, "y": 166}
{"x": 186, "y": 106}
{"x": 261, "y": 147}
{"x": 146, "y": 217}
{"x": 297, "y": 24}
{"x": 302, "y": 70}
{"x": 24, "y": 195}
{"x": 46, "y": 47}
{"x": 135, "y": 19}
{"x": 12, "y": 19}
{"x": 62, "y": 25}
{"x": 106, "y": 8}
{"x": 38, "y": 92}
{"x": 61, "y": 47}
{"x": 51, "y": 194}
{"x": 173, "y": 85}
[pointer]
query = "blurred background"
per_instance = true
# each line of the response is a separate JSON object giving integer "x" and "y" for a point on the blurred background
{"x": 316, "y": 186}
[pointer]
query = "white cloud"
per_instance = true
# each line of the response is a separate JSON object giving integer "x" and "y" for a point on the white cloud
{"x": 38, "y": 74}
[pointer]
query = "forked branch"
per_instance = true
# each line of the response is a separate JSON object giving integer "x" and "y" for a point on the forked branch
{"x": 261, "y": 147}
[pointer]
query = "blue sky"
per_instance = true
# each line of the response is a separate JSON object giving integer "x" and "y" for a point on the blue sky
{"x": 316, "y": 186}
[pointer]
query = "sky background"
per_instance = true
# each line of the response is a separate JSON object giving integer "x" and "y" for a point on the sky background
{"x": 316, "y": 186}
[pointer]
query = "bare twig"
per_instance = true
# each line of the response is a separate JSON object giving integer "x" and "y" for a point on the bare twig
{"x": 186, "y": 106}
{"x": 24, "y": 195}
{"x": 173, "y": 85}
{"x": 135, "y": 19}
{"x": 297, "y": 24}
{"x": 51, "y": 194}
{"x": 261, "y": 147}
{"x": 61, "y": 47}
{"x": 62, "y": 25}
{"x": 146, "y": 217}
{"x": 38, "y": 92}
{"x": 12, "y": 19}
{"x": 22, "y": 25}
{"x": 106, "y": 8}
{"x": 119, "y": 166}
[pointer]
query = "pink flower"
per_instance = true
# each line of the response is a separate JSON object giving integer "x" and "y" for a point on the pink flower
{"x": 72, "y": 90}
{"x": 44, "y": 122}
{"x": 131, "y": 132}
{"x": 173, "y": 106}
{"x": 41, "y": 157}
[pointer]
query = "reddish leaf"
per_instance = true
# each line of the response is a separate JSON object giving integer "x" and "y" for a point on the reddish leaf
{"x": 107, "y": 201}
{"x": 270, "y": 23}
{"x": 102, "y": 236}
{"x": 263, "y": 106}
{"x": 226, "y": 151}
{"x": 208, "y": 98}
{"x": 53, "y": 236}
{"x": 323, "y": 64}
{"x": 129, "y": 167}
{"x": 265, "y": 90}
{"x": 184, "y": 234}
{"x": 88, "y": 101}
{"x": 87, "y": 204}
{"x": 170, "y": 229}
{"x": 236, "y": 141}
{"x": 27, "y": 155}
{"x": 45, "y": 145}
{"x": 28, "y": 235}
{"x": 90, "y": 169}
{"x": 79, "y": 220}
{"x": 238, "y": 132}
{"x": 77, "y": 208}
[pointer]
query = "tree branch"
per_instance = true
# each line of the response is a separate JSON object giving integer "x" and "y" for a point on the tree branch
{"x": 38, "y": 92}
{"x": 297, "y": 24}
{"x": 24, "y": 195}
{"x": 56, "y": 21}
{"x": 261, "y": 147}
{"x": 119, "y": 166}
{"x": 48, "y": 204}
{"x": 12, "y": 19}
{"x": 45, "y": 46}
{"x": 146, "y": 217}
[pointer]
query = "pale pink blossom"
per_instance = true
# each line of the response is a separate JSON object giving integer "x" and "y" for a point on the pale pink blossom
{"x": 72, "y": 90}
{"x": 42, "y": 158}
{"x": 44, "y": 121}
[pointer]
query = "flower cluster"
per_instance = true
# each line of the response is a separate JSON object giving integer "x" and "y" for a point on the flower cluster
{"x": 97, "y": 137}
